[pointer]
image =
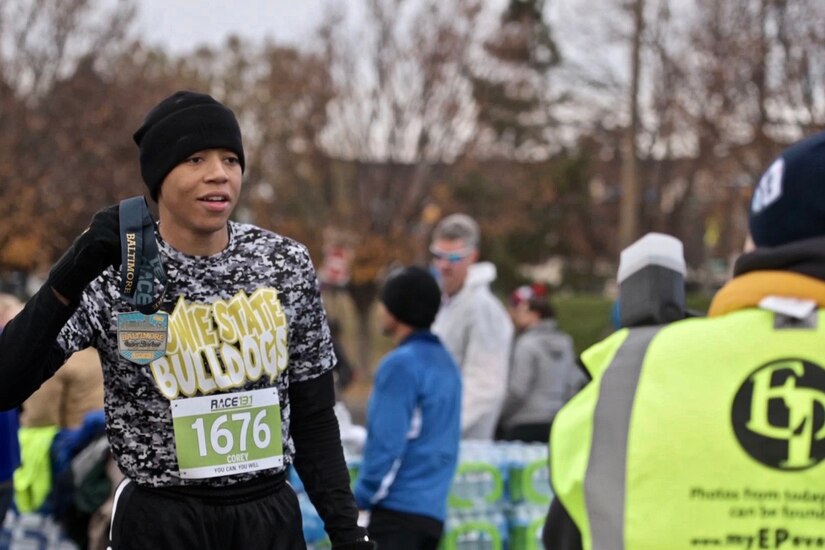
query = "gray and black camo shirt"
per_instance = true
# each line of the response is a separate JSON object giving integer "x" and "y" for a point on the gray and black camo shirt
{"x": 247, "y": 318}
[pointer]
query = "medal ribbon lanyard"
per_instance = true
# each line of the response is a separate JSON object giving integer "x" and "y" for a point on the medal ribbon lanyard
{"x": 140, "y": 258}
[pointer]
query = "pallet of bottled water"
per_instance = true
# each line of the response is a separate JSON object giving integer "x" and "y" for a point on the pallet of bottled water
{"x": 528, "y": 474}
{"x": 525, "y": 523}
{"x": 483, "y": 528}
{"x": 499, "y": 498}
{"x": 32, "y": 532}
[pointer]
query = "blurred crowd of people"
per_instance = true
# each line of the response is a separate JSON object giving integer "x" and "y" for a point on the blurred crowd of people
{"x": 640, "y": 457}
{"x": 669, "y": 410}
{"x": 513, "y": 370}
{"x": 56, "y": 460}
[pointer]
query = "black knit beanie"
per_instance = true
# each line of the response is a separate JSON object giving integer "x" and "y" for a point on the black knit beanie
{"x": 182, "y": 124}
{"x": 412, "y": 296}
{"x": 789, "y": 200}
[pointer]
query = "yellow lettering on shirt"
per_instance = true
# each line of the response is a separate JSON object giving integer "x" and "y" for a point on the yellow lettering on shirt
{"x": 218, "y": 346}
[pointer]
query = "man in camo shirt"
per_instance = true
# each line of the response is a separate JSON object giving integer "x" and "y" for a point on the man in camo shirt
{"x": 205, "y": 431}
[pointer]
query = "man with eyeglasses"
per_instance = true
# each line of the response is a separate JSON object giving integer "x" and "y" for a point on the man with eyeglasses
{"x": 472, "y": 323}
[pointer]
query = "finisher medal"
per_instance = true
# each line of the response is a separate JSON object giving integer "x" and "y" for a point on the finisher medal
{"x": 141, "y": 338}
{"x": 141, "y": 335}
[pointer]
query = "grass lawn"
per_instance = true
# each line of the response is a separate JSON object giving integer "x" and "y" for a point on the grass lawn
{"x": 586, "y": 317}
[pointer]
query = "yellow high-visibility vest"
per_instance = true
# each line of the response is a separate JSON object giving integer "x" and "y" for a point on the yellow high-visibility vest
{"x": 706, "y": 433}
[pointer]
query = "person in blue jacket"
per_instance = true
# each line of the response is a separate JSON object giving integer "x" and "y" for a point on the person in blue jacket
{"x": 413, "y": 421}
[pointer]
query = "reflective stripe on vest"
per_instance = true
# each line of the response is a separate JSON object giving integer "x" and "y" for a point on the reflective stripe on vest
{"x": 604, "y": 484}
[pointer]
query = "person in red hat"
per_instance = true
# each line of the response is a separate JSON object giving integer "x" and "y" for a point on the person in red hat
{"x": 543, "y": 370}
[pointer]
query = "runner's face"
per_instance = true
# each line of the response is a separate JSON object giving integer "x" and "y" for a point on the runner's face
{"x": 198, "y": 196}
{"x": 452, "y": 258}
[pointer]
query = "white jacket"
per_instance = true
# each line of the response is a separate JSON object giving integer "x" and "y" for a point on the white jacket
{"x": 477, "y": 330}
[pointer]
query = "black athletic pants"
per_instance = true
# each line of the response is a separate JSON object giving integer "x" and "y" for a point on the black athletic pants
{"x": 532, "y": 433}
{"x": 399, "y": 531}
{"x": 262, "y": 514}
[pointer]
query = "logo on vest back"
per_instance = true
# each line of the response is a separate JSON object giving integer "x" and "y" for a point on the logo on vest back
{"x": 779, "y": 414}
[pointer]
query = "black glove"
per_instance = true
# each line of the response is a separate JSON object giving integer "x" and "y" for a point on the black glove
{"x": 91, "y": 253}
{"x": 357, "y": 545}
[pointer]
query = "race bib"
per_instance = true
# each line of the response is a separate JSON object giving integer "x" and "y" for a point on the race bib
{"x": 228, "y": 433}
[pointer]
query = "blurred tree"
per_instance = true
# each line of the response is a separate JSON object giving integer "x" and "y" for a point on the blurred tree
{"x": 513, "y": 88}
{"x": 426, "y": 94}
{"x": 723, "y": 86}
{"x": 53, "y": 146}
{"x": 533, "y": 212}
{"x": 75, "y": 84}
{"x": 398, "y": 110}
{"x": 629, "y": 212}
{"x": 419, "y": 108}
{"x": 731, "y": 85}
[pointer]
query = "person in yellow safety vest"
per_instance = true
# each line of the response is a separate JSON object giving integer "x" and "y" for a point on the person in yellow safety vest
{"x": 710, "y": 432}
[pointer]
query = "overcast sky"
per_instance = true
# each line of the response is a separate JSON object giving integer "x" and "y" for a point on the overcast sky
{"x": 182, "y": 25}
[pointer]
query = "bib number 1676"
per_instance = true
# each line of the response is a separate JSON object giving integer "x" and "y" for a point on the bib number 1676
{"x": 228, "y": 434}
{"x": 222, "y": 439}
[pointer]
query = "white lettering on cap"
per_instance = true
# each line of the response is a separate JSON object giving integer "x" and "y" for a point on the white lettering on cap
{"x": 770, "y": 187}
